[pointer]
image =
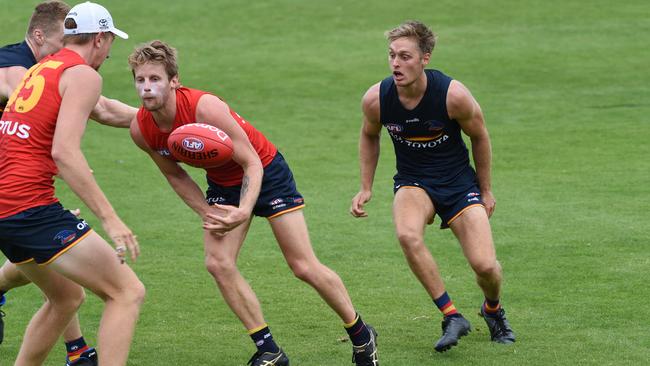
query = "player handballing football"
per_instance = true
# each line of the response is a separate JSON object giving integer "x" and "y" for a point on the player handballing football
{"x": 40, "y": 135}
{"x": 44, "y": 36}
{"x": 257, "y": 181}
{"x": 424, "y": 112}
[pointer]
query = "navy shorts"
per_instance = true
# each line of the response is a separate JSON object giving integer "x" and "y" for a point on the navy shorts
{"x": 40, "y": 234}
{"x": 278, "y": 194}
{"x": 449, "y": 200}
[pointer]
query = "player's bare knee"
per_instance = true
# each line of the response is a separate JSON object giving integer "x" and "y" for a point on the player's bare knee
{"x": 304, "y": 270}
{"x": 220, "y": 269}
{"x": 137, "y": 292}
{"x": 11, "y": 277}
{"x": 487, "y": 270}
{"x": 409, "y": 240}
{"x": 130, "y": 294}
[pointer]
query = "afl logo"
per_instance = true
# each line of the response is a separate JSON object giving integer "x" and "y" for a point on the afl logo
{"x": 394, "y": 127}
{"x": 192, "y": 144}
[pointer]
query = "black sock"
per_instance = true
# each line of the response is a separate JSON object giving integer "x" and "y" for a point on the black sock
{"x": 263, "y": 340}
{"x": 491, "y": 306}
{"x": 358, "y": 332}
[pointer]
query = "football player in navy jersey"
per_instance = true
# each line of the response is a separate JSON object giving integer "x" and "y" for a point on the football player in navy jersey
{"x": 424, "y": 112}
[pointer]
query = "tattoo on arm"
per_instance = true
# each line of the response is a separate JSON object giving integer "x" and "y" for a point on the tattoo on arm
{"x": 244, "y": 187}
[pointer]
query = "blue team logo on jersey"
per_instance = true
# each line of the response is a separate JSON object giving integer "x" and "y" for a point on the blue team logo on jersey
{"x": 65, "y": 236}
{"x": 435, "y": 128}
{"x": 428, "y": 131}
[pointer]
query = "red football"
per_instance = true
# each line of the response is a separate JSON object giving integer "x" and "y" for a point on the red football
{"x": 200, "y": 145}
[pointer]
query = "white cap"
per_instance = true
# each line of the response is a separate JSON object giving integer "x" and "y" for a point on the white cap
{"x": 92, "y": 18}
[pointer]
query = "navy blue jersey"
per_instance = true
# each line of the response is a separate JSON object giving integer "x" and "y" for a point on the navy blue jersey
{"x": 427, "y": 142}
{"x": 17, "y": 54}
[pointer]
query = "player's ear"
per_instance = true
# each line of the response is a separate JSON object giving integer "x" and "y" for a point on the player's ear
{"x": 175, "y": 83}
{"x": 97, "y": 39}
{"x": 38, "y": 36}
{"x": 426, "y": 58}
{"x": 100, "y": 38}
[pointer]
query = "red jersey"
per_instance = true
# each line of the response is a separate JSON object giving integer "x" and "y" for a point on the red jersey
{"x": 187, "y": 99}
{"x": 27, "y": 127}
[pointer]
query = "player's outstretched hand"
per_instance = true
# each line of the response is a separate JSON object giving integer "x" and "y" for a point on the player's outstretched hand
{"x": 227, "y": 218}
{"x": 360, "y": 199}
{"x": 123, "y": 238}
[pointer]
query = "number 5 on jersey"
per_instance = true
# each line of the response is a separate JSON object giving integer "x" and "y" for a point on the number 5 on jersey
{"x": 32, "y": 80}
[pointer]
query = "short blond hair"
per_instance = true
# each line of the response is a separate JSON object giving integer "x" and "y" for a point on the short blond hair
{"x": 425, "y": 38}
{"x": 155, "y": 52}
{"x": 47, "y": 16}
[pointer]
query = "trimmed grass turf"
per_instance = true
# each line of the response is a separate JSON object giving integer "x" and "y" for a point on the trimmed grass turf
{"x": 564, "y": 87}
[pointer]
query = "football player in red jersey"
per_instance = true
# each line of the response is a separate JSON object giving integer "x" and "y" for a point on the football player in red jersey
{"x": 257, "y": 181}
{"x": 44, "y": 36}
{"x": 40, "y": 136}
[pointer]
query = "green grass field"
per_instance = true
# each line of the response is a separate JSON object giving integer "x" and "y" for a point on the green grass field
{"x": 565, "y": 88}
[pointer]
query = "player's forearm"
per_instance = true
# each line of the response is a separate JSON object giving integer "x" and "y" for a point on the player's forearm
{"x": 74, "y": 170}
{"x": 250, "y": 187}
{"x": 482, "y": 154}
{"x": 189, "y": 192}
{"x": 112, "y": 112}
{"x": 368, "y": 159}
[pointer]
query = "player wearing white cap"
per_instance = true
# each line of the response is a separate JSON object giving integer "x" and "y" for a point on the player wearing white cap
{"x": 40, "y": 137}
{"x": 44, "y": 36}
